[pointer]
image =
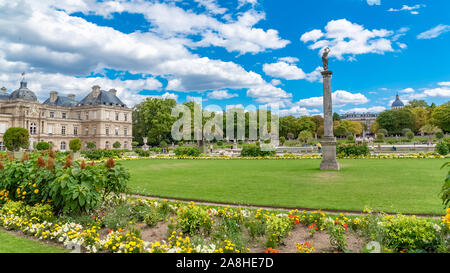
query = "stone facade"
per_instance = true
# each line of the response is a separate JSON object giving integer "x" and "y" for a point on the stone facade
{"x": 100, "y": 118}
{"x": 364, "y": 118}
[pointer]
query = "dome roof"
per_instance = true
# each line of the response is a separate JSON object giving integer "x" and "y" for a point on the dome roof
{"x": 397, "y": 102}
{"x": 23, "y": 93}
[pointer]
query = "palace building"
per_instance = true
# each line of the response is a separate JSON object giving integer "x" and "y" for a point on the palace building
{"x": 101, "y": 118}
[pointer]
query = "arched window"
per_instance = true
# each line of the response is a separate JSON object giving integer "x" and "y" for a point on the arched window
{"x": 107, "y": 145}
{"x": 125, "y": 145}
{"x": 2, "y": 146}
{"x": 33, "y": 128}
{"x": 63, "y": 146}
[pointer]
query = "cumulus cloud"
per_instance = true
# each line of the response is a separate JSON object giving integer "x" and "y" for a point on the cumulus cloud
{"x": 44, "y": 38}
{"x": 407, "y": 90}
{"x": 288, "y": 71}
{"x": 339, "y": 97}
{"x": 344, "y": 37}
{"x": 374, "y": 2}
{"x": 442, "y": 92}
{"x": 221, "y": 94}
{"x": 434, "y": 32}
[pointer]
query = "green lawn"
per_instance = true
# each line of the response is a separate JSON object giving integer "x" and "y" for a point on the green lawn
{"x": 10, "y": 243}
{"x": 390, "y": 185}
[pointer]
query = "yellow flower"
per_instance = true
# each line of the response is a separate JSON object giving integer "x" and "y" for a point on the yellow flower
{"x": 36, "y": 191}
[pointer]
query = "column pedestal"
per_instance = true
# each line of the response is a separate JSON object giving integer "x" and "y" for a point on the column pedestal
{"x": 329, "y": 161}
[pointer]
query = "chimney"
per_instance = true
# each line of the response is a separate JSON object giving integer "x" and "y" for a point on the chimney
{"x": 3, "y": 90}
{"x": 53, "y": 96}
{"x": 71, "y": 96}
{"x": 95, "y": 91}
{"x": 113, "y": 91}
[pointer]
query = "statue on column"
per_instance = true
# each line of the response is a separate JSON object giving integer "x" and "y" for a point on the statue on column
{"x": 325, "y": 58}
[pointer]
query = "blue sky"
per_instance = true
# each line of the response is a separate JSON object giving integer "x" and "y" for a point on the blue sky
{"x": 238, "y": 52}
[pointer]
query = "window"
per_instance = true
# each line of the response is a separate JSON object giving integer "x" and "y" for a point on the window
{"x": 117, "y": 116}
{"x": 95, "y": 130}
{"x": 86, "y": 131}
{"x": 125, "y": 117}
{"x": 2, "y": 128}
{"x": 87, "y": 115}
{"x": 107, "y": 145}
{"x": 64, "y": 115}
{"x": 2, "y": 146}
{"x": 42, "y": 127}
{"x": 125, "y": 131}
{"x": 79, "y": 115}
{"x": 63, "y": 130}
{"x": 50, "y": 129}
{"x": 107, "y": 115}
{"x": 117, "y": 131}
{"x": 52, "y": 114}
{"x": 107, "y": 131}
{"x": 75, "y": 131}
{"x": 33, "y": 128}
{"x": 125, "y": 145}
{"x": 63, "y": 146}
{"x": 95, "y": 114}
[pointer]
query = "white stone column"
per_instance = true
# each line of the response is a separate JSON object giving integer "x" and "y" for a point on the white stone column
{"x": 328, "y": 142}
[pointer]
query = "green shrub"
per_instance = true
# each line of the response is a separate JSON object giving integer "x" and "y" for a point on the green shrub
{"x": 187, "y": 151}
{"x": 277, "y": 229}
{"x": 192, "y": 219}
{"x": 439, "y": 135}
{"x": 445, "y": 191}
{"x": 118, "y": 216}
{"x": 337, "y": 236}
{"x": 409, "y": 233}
{"x": 410, "y": 135}
{"x": 44, "y": 212}
{"x": 442, "y": 148}
{"x": 75, "y": 145}
{"x": 15, "y": 138}
{"x": 41, "y": 146}
{"x": 352, "y": 150}
{"x": 90, "y": 145}
{"x": 254, "y": 151}
{"x": 220, "y": 143}
{"x": 151, "y": 218}
{"x": 142, "y": 153}
{"x": 116, "y": 145}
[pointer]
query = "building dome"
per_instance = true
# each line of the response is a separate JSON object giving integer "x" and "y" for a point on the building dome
{"x": 397, "y": 103}
{"x": 23, "y": 93}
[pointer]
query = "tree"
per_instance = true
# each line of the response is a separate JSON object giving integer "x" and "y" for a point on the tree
{"x": 421, "y": 117}
{"x": 116, "y": 145}
{"x": 394, "y": 121}
{"x": 90, "y": 145}
{"x": 374, "y": 127}
{"x": 152, "y": 118}
{"x": 417, "y": 103}
{"x": 75, "y": 145}
{"x": 282, "y": 140}
{"x": 410, "y": 135}
{"x": 430, "y": 130}
{"x": 318, "y": 120}
{"x": 134, "y": 144}
{"x": 336, "y": 117}
{"x": 439, "y": 135}
{"x": 304, "y": 136}
{"x": 441, "y": 116}
{"x": 16, "y": 138}
{"x": 41, "y": 146}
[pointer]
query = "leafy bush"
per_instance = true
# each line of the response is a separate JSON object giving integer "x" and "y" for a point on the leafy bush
{"x": 75, "y": 145}
{"x": 410, "y": 135}
{"x": 220, "y": 143}
{"x": 151, "y": 218}
{"x": 100, "y": 154}
{"x": 445, "y": 191}
{"x": 410, "y": 233}
{"x": 187, "y": 151}
{"x": 41, "y": 146}
{"x": 442, "y": 148}
{"x": 116, "y": 145}
{"x": 142, "y": 153}
{"x": 277, "y": 229}
{"x": 15, "y": 138}
{"x": 352, "y": 150}
{"x": 254, "y": 151}
{"x": 192, "y": 218}
{"x": 90, "y": 145}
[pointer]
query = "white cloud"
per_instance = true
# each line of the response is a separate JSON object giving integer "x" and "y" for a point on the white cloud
{"x": 221, "y": 94}
{"x": 339, "y": 98}
{"x": 374, "y": 2}
{"x": 344, "y": 37}
{"x": 442, "y": 92}
{"x": 295, "y": 111}
{"x": 444, "y": 83}
{"x": 275, "y": 82}
{"x": 291, "y": 72}
{"x": 410, "y": 9}
{"x": 290, "y": 60}
{"x": 267, "y": 93}
{"x": 407, "y": 90}
{"x": 373, "y": 109}
{"x": 211, "y": 6}
{"x": 434, "y": 32}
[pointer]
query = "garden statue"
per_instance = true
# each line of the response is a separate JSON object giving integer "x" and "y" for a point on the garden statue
{"x": 325, "y": 58}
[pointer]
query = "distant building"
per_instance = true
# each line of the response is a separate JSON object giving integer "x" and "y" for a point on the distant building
{"x": 397, "y": 104}
{"x": 364, "y": 118}
{"x": 101, "y": 117}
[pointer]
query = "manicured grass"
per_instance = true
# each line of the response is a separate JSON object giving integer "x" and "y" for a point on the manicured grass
{"x": 10, "y": 243}
{"x": 390, "y": 185}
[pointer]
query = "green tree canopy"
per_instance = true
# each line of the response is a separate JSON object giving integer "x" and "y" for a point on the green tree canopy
{"x": 394, "y": 121}
{"x": 441, "y": 116}
{"x": 16, "y": 138}
{"x": 75, "y": 145}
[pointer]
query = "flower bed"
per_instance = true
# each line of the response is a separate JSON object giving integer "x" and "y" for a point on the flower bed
{"x": 223, "y": 229}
